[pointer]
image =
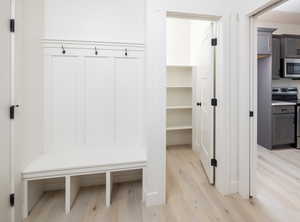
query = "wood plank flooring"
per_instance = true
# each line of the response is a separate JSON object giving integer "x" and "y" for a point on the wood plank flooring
{"x": 189, "y": 197}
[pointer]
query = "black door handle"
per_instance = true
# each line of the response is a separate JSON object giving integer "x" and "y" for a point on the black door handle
{"x": 199, "y": 104}
{"x": 12, "y": 111}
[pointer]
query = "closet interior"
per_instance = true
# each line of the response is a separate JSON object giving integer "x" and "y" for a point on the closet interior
{"x": 183, "y": 81}
{"x": 179, "y": 104}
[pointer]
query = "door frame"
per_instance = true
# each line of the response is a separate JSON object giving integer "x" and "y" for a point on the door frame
{"x": 224, "y": 181}
{"x": 12, "y": 102}
{"x": 248, "y": 154}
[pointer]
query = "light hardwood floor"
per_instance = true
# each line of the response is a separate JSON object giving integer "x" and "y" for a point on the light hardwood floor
{"x": 189, "y": 197}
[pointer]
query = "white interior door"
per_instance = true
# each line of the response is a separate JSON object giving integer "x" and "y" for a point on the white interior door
{"x": 4, "y": 105}
{"x": 205, "y": 93}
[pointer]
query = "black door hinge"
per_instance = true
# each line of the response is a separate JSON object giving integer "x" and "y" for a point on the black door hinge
{"x": 12, "y": 199}
{"x": 214, "y": 102}
{"x": 12, "y": 110}
{"x": 214, "y": 162}
{"x": 12, "y": 25}
{"x": 214, "y": 42}
{"x": 251, "y": 113}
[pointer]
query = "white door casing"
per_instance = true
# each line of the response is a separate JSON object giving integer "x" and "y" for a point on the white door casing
{"x": 196, "y": 111}
{"x": 5, "y": 87}
{"x": 206, "y": 84}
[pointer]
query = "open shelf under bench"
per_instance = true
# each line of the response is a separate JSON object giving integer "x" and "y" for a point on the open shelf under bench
{"x": 71, "y": 165}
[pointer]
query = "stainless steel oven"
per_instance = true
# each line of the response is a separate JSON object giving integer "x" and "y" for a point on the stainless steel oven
{"x": 291, "y": 68}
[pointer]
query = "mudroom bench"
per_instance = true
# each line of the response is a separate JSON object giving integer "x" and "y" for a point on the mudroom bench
{"x": 70, "y": 165}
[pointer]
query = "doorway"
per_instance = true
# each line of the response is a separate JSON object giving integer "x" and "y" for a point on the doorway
{"x": 191, "y": 94}
{"x": 275, "y": 156}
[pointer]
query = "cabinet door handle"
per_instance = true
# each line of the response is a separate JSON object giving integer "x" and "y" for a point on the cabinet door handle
{"x": 199, "y": 104}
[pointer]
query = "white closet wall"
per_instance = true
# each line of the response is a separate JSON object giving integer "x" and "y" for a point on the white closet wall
{"x": 183, "y": 56}
{"x": 178, "y": 41}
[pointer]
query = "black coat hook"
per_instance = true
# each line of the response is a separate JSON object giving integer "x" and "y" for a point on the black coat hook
{"x": 63, "y": 49}
{"x": 126, "y": 53}
{"x": 96, "y": 51}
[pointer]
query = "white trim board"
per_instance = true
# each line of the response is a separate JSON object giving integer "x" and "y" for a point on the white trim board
{"x": 248, "y": 98}
{"x": 82, "y": 162}
{"x": 76, "y": 44}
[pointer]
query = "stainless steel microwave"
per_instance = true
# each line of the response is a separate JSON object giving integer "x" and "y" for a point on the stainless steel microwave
{"x": 291, "y": 68}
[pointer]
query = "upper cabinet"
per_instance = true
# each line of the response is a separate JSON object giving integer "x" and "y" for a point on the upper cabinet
{"x": 264, "y": 40}
{"x": 276, "y": 57}
{"x": 290, "y": 46}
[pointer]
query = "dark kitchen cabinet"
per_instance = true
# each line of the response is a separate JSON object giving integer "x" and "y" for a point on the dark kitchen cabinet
{"x": 283, "y": 125}
{"x": 264, "y": 41}
{"x": 264, "y": 109}
{"x": 290, "y": 46}
{"x": 276, "y": 57}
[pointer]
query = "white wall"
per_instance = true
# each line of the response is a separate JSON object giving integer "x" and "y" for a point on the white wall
{"x": 155, "y": 67}
{"x": 247, "y": 7}
{"x": 29, "y": 89}
{"x": 183, "y": 40}
{"x": 105, "y": 20}
{"x": 201, "y": 7}
{"x": 178, "y": 41}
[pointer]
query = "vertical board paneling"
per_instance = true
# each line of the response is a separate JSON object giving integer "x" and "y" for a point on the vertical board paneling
{"x": 99, "y": 111}
{"x": 128, "y": 73}
{"x": 93, "y": 101}
{"x": 63, "y": 102}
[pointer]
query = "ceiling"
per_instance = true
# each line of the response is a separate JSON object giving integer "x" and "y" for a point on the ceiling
{"x": 287, "y": 13}
{"x": 289, "y": 6}
{"x": 281, "y": 17}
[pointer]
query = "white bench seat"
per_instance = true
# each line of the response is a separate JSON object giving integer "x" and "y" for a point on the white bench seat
{"x": 82, "y": 162}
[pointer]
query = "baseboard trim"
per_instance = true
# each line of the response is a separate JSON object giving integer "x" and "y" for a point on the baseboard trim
{"x": 154, "y": 199}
